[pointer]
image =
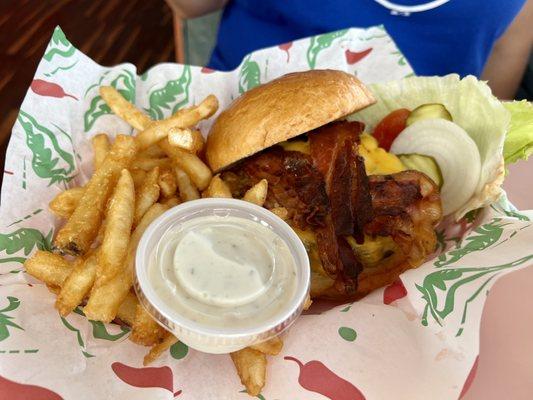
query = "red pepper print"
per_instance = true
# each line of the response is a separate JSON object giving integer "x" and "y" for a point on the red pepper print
{"x": 396, "y": 290}
{"x": 285, "y": 47}
{"x": 160, "y": 377}
{"x": 316, "y": 377}
{"x": 207, "y": 70}
{"x": 469, "y": 378}
{"x": 355, "y": 56}
{"x": 49, "y": 89}
{"x": 20, "y": 391}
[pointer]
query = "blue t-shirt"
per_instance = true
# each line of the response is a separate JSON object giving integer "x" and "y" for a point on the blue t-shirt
{"x": 437, "y": 37}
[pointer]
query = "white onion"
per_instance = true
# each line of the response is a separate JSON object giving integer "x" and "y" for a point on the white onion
{"x": 454, "y": 151}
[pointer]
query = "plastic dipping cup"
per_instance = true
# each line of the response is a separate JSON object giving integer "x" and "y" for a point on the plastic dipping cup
{"x": 227, "y": 338}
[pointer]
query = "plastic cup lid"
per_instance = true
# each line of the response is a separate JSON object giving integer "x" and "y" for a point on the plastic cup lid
{"x": 227, "y": 339}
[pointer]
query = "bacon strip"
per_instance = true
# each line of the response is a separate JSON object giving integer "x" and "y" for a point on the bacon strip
{"x": 334, "y": 152}
{"x": 293, "y": 183}
{"x": 406, "y": 208}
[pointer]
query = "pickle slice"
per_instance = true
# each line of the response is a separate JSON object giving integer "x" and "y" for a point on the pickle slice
{"x": 425, "y": 164}
{"x": 427, "y": 111}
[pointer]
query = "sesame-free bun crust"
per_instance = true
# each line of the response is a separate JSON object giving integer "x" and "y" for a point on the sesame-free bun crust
{"x": 282, "y": 109}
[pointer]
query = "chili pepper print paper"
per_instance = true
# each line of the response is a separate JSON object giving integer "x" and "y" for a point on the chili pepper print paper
{"x": 418, "y": 338}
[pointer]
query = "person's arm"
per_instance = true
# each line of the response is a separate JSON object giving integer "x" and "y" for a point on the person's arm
{"x": 510, "y": 55}
{"x": 195, "y": 8}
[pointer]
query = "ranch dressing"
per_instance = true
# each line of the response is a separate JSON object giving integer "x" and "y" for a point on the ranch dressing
{"x": 223, "y": 271}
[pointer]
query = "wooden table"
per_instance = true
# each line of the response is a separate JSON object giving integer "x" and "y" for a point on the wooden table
{"x": 108, "y": 31}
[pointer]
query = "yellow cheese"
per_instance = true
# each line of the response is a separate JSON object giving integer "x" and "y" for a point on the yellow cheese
{"x": 296, "y": 145}
{"x": 373, "y": 249}
{"x": 377, "y": 160}
{"x": 308, "y": 238}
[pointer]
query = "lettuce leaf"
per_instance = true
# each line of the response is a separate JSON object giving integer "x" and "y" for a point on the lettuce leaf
{"x": 519, "y": 139}
{"x": 472, "y": 106}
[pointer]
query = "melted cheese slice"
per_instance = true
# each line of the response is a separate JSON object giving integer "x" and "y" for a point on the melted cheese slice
{"x": 297, "y": 145}
{"x": 377, "y": 160}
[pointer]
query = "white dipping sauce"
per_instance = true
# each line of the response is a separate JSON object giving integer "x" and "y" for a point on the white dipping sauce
{"x": 223, "y": 271}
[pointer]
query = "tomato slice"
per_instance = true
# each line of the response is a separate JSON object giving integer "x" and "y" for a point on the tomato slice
{"x": 390, "y": 127}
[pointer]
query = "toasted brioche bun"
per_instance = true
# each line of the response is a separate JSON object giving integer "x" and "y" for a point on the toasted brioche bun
{"x": 280, "y": 110}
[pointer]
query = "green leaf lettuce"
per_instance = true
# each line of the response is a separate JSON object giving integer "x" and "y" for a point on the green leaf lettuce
{"x": 519, "y": 139}
{"x": 472, "y": 106}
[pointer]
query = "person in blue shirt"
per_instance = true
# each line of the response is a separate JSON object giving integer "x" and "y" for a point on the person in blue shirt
{"x": 491, "y": 39}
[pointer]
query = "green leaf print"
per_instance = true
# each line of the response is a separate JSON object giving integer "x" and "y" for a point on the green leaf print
{"x": 439, "y": 288}
{"x": 124, "y": 83}
{"x": 517, "y": 215}
{"x": 259, "y": 396}
{"x": 487, "y": 235}
{"x": 319, "y": 43}
{"x": 78, "y": 337}
{"x": 6, "y": 320}
{"x": 45, "y": 159}
{"x": 59, "y": 46}
{"x": 28, "y": 216}
{"x": 347, "y": 308}
{"x": 249, "y": 75}
{"x": 100, "y": 329}
{"x": 25, "y": 239}
{"x": 60, "y": 68}
{"x": 174, "y": 95}
{"x": 401, "y": 57}
{"x": 179, "y": 350}
{"x": 347, "y": 333}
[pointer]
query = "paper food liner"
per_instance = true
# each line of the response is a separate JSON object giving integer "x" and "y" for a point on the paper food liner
{"x": 416, "y": 339}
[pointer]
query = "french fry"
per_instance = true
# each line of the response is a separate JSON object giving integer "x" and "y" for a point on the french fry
{"x": 199, "y": 173}
{"x": 77, "y": 285}
{"x": 171, "y": 202}
{"x": 77, "y": 234}
{"x": 281, "y": 212}
{"x": 127, "y": 309}
{"x": 251, "y": 367}
{"x": 138, "y": 176}
{"x": 48, "y": 267}
{"x": 187, "y": 139}
{"x": 185, "y": 118}
{"x": 64, "y": 204}
{"x": 105, "y": 300}
{"x": 187, "y": 190}
{"x": 145, "y": 330}
{"x": 53, "y": 289}
{"x": 271, "y": 347}
{"x": 217, "y": 188}
{"x": 154, "y": 151}
{"x": 308, "y": 302}
{"x": 147, "y": 164}
{"x": 119, "y": 220}
{"x": 101, "y": 146}
{"x": 100, "y": 234}
{"x": 257, "y": 194}
{"x": 123, "y": 108}
{"x": 154, "y": 353}
{"x": 167, "y": 182}
{"x": 147, "y": 194}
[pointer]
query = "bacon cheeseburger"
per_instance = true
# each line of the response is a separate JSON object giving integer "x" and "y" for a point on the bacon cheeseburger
{"x": 361, "y": 231}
